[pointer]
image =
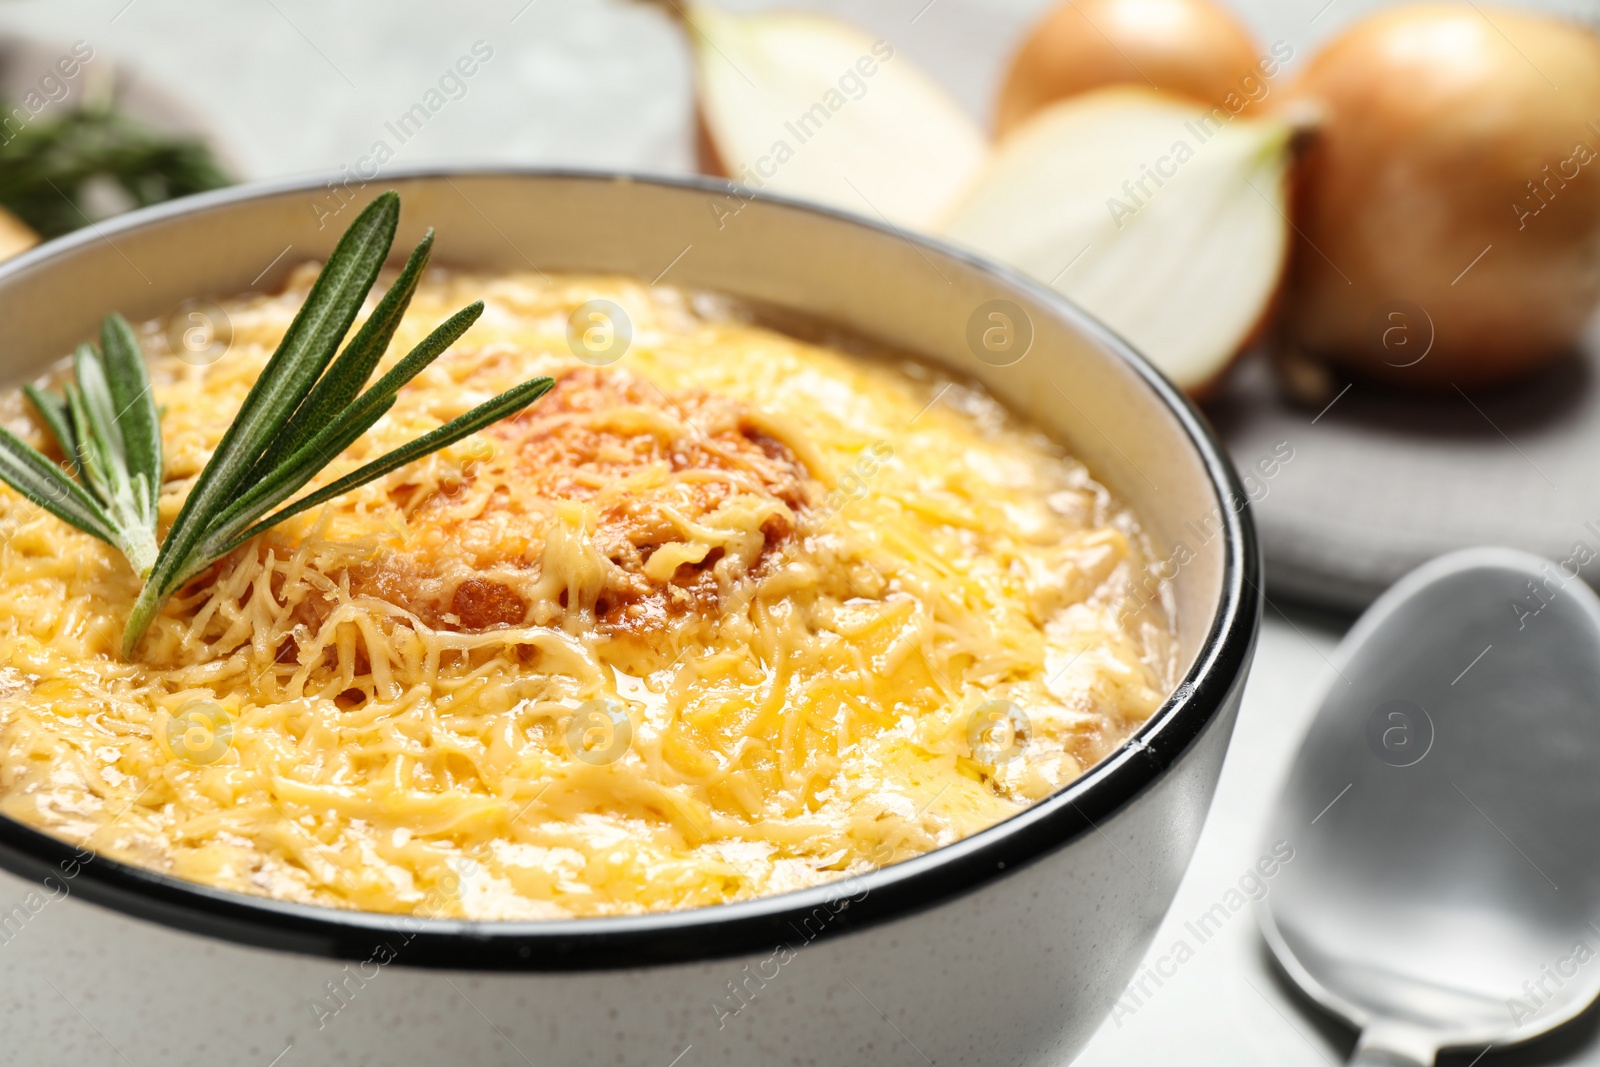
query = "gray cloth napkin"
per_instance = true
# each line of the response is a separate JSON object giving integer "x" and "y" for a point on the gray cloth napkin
{"x": 1381, "y": 481}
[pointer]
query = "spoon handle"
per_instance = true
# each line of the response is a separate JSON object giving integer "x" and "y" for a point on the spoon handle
{"x": 1389, "y": 1046}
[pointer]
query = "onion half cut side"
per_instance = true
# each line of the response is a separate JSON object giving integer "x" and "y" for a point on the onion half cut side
{"x": 1163, "y": 218}
{"x": 806, "y": 106}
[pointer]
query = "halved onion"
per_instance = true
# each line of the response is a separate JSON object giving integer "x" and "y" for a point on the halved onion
{"x": 805, "y": 105}
{"x": 1162, "y": 218}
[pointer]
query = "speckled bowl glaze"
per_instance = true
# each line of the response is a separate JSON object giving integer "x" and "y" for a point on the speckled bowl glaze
{"x": 1006, "y": 948}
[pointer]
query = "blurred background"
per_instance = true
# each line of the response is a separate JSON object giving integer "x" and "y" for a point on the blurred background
{"x": 290, "y": 87}
{"x": 169, "y": 97}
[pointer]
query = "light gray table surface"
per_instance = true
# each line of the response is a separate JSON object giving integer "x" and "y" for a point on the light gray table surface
{"x": 299, "y": 87}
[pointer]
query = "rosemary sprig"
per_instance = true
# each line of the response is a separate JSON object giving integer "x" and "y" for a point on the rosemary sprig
{"x": 107, "y": 428}
{"x": 49, "y": 166}
{"x": 306, "y": 408}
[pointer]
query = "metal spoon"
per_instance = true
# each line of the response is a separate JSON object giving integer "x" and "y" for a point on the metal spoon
{"x": 1444, "y": 812}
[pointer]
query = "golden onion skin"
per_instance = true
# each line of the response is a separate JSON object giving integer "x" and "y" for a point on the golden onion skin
{"x": 1451, "y": 194}
{"x": 1194, "y": 48}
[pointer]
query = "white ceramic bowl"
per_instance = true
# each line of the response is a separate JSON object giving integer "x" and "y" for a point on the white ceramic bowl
{"x": 1006, "y": 948}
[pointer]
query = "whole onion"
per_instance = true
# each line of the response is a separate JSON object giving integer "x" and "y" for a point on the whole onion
{"x": 1450, "y": 201}
{"x": 1193, "y": 48}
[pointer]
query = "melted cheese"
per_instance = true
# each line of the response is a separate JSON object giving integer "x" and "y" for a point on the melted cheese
{"x": 713, "y": 621}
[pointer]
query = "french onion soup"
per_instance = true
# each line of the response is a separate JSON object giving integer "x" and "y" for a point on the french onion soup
{"x": 724, "y": 613}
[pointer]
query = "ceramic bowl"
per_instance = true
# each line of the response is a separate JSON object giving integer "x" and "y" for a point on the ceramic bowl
{"x": 1008, "y": 947}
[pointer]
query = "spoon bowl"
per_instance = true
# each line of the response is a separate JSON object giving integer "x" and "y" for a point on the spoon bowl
{"x": 1442, "y": 810}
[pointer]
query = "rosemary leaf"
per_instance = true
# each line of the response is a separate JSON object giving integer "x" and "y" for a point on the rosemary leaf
{"x": 97, "y": 402}
{"x": 93, "y": 458}
{"x": 223, "y": 536}
{"x": 308, "y": 346}
{"x": 104, "y": 464}
{"x": 136, "y": 415}
{"x": 344, "y": 379}
{"x": 28, "y": 472}
{"x": 53, "y": 410}
{"x": 431, "y": 347}
{"x": 486, "y": 414}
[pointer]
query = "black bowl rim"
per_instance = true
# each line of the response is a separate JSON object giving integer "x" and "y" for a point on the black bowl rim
{"x": 722, "y": 930}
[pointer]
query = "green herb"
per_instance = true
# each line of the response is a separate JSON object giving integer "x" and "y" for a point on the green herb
{"x": 48, "y": 169}
{"x": 299, "y": 415}
{"x": 107, "y": 427}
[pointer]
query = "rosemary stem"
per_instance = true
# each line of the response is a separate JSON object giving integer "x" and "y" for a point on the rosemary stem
{"x": 139, "y": 545}
{"x": 151, "y": 598}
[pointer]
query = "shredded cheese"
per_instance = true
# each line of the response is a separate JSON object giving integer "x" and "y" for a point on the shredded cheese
{"x": 732, "y": 615}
